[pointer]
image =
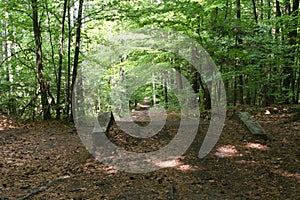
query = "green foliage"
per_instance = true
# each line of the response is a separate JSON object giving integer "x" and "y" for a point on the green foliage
{"x": 259, "y": 60}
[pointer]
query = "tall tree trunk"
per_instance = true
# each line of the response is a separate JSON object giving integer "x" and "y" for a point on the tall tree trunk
{"x": 77, "y": 47}
{"x": 227, "y": 9}
{"x": 261, "y": 9}
{"x": 40, "y": 69}
{"x": 166, "y": 89}
{"x": 278, "y": 15}
{"x": 154, "y": 90}
{"x": 60, "y": 64}
{"x": 238, "y": 42}
{"x": 296, "y": 34}
{"x": 293, "y": 35}
{"x": 254, "y": 11}
{"x": 51, "y": 38}
{"x": 68, "y": 90}
{"x": 178, "y": 74}
{"x": 269, "y": 9}
{"x": 289, "y": 81}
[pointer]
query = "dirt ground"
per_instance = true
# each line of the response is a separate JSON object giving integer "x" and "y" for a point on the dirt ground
{"x": 47, "y": 160}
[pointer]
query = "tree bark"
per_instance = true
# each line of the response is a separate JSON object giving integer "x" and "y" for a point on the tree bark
{"x": 278, "y": 15}
{"x": 254, "y": 11}
{"x": 77, "y": 47}
{"x": 289, "y": 81}
{"x": 239, "y": 41}
{"x": 68, "y": 90}
{"x": 39, "y": 60}
{"x": 166, "y": 89}
{"x": 293, "y": 35}
{"x": 60, "y": 64}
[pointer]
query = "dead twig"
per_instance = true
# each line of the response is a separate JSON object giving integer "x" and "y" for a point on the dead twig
{"x": 43, "y": 188}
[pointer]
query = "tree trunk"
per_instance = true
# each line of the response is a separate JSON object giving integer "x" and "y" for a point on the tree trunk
{"x": 278, "y": 15}
{"x": 166, "y": 89}
{"x": 40, "y": 69}
{"x": 261, "y": 9}
{"x": 77, "y": 47}
{"x": 269, "y": 9}
{"x": 227, "y": 9}
{"x": 68, "y": 90}
{"x": 154, "y": 90}
{"x": 289, "y": 81}
{"x": 254, "y": 11}
{"x": 293, "y": 35}
{"x": 238, "y": 42}
{"x": 61, "y": 59}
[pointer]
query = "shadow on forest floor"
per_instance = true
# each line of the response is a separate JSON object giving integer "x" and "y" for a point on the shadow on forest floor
{"x": 47, "y": 160}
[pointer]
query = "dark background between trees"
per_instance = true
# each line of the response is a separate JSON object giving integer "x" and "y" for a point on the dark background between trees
{"x": 255, "y": 45}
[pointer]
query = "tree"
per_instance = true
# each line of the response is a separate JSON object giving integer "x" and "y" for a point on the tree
{"x": 77, "y": 45}
{"x": 44, "y": 84}
{"x": 61, "y": 52}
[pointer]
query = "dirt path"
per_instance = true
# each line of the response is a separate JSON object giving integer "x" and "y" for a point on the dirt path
{"x": 47, "y": 160}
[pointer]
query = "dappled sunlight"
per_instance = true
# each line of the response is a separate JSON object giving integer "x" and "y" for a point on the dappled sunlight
{"x": 226, "y": 151}
{"x": 177, "y": 164}
{"x": 257, "y": 146}
{"x": 169, "y": 163}
{"x": 6, "y": 123}
{"x": 110, "y": 170}
{"x": 245, "y": 162}
{"x": 188, "y": 168}
{"x": 286, "y": 174}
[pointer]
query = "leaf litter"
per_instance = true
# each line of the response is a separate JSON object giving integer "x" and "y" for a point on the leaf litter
{"x": 47, "y": 160}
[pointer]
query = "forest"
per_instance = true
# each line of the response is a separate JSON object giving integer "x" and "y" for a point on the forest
{"x": 254, "y": 44}
{"x": 64, "y": 62}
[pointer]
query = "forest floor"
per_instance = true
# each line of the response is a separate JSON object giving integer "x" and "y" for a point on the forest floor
{"x": 47, "y": 160}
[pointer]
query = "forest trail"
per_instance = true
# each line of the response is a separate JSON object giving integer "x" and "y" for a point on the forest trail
{"x": 47, "y": 160}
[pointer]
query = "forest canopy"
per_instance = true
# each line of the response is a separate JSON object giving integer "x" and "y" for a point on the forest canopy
{"x": 254, "y": 44}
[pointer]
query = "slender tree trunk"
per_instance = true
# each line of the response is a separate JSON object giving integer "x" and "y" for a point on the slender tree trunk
{"x": 238, "y": 9}
{"x": 77, "y": 46}
{"x": 261, "y": 9}
{"x": 40, "y": 68}
{"x": 166, "y": 89}
{"x": 227, "y": 9}
{"x": 296, "y": 34}
{"x": 238, "y": 42}
{"x": 298, "y": 87}
{"x": 68, "y": 90}
{"x": 60, "y": 64}
{"x": 269, "y": 9}
{"x": 51, "y": 39}
{"x": 293, "y": 35}
{"x": 278, "y": 15}
{"x": 154, "y": 90}
{"x": 254, "y": 11}
{"x": 178, "y": 74}
{"x": 289, "y": 81}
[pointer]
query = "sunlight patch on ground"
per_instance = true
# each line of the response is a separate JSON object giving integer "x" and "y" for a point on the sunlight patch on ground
{"x": 287, "y": 174}
{"x": 226, "y": 151}
{"x": 168, "y": 163}
{"x": 111, "y": 170}
{"x": 187, "y": 168}
{"x": 177, "y": 164}
{"x": 5, "y": 122}
{"x": 245, "y": 162}
{"x": 257, "y": 146}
